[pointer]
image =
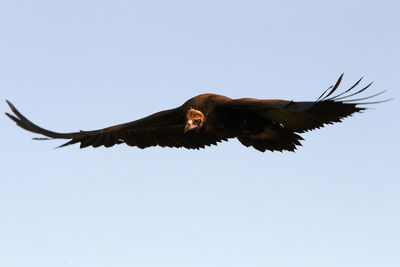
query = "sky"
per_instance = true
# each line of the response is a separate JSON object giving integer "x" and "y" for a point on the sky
{"x": 71, "y": 65}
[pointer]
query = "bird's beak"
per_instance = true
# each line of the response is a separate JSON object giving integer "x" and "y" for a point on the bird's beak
{"x": 189, "y": 126}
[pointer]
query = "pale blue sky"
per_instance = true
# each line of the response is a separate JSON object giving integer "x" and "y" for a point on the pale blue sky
{"x": 71, "y": 65}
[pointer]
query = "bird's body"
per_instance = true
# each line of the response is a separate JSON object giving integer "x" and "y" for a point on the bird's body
{"x": 209, "y": 118}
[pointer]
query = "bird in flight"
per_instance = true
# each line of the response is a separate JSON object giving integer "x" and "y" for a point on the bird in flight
{"x": 207, "y": 119}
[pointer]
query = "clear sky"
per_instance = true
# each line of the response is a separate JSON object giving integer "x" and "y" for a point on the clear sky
{"x": 70, "y": 65}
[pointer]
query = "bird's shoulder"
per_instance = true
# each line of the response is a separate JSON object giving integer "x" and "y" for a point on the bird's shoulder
{"x": 206, "y": 102}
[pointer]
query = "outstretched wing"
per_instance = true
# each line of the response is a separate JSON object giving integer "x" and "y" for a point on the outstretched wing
{"x": 165, "y": 128}
{"x": 304, "y": 116}
{"x": 276, "y": 122}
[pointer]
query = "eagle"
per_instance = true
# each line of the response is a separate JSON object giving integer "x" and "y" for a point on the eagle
{"x": 207, "y": 119}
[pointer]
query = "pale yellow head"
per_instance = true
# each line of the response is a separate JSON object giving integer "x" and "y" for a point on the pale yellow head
{"x": 194, "y": 120}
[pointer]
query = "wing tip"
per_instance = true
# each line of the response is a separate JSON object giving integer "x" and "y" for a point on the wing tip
{"x": 12, "y": 107}
{"x": 345, "y": 97}
{"x": 12, "y": 117}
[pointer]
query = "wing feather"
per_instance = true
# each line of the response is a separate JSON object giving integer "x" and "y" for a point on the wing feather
{"x": 165, "y": 128}
{"x": 303, "y": 116}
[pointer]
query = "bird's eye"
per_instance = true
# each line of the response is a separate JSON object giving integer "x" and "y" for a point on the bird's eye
{"x": 197, "y": 121}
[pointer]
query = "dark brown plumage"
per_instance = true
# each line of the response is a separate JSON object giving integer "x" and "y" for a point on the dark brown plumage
{"x": 208, "y": 119}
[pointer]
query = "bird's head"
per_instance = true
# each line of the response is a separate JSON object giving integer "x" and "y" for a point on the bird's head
{"x": 194, "y": 120}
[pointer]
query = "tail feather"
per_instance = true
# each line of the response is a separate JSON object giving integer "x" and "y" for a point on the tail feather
{"x": 274, "y": 138}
